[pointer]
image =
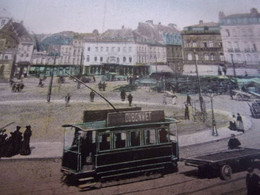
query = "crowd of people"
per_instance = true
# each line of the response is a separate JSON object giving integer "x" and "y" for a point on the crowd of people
{"x": 16, "y": 143}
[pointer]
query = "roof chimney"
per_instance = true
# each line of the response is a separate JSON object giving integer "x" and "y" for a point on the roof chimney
{"x": 201, "y": 22}
{"x": 149, "y": 21}
{"x": 123, "y": 26}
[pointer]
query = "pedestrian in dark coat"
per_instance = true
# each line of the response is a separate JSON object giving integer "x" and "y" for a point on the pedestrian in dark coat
{"x": 14, "y": 143}
{"x": 186, "y": 112}
{"x": 92, "y": 96}
{"x": 233, "y": 142}
{"x": 26, "y": 150}
{"x": 100, "y": 86}
{"x": 240, "y": 125}
{"x": 252, "y": 182}
{"x": 123, "y": 94}
{"x": 67, "y": 99}
{"x": 188, "y": 101}
{"x": 130, "y": 99}
{"x": 104, "y": 85}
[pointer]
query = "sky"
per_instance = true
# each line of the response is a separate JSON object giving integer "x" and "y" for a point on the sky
{"x": 52, "y": 16}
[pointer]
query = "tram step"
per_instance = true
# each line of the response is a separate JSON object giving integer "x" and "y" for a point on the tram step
{"x": 132, "y": 172}
{"x": 87, "y": 185}
{"x": 86, "y": 178}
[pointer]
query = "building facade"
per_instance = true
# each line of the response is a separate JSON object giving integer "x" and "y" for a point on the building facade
{"x": 203, "y": 41}
{"x": 16, "y": 47}
{"x": 122, "y": 51}
{"x": 241, "y": 37}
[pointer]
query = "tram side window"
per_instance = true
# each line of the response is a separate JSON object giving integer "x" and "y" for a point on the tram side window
{"x": 104, "y": 141}
{"x": 120, "y": 140}
{"x": 135, "y": 138}
{"x": 163, "y": 134}
{"x": 149, "y": 137}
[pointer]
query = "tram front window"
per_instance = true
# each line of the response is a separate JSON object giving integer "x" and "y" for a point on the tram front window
{"x": 70, "y": 137}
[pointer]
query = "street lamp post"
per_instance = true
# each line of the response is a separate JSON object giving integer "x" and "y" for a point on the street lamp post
{"x": 234, "y": 68}
{"x": 80, "y": 68}
{"x": 198, "y": 79}
{"x": 51, "y": 81}
{"x": 214, "y": 127}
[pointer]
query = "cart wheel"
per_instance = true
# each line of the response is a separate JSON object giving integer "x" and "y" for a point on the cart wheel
{"x": 225, "y": 172}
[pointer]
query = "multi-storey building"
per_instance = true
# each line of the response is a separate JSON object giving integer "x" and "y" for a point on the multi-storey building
{"x": 202, "y": 41}
{"x": 72, "y": 54}
{"x": 169, "y": 39}
{"x": 241, "y": 37}
{"x": 123, "y": 51}
{"x": 18, "y": 44}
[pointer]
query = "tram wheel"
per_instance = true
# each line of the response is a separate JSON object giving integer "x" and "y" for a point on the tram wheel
{"x": 225, "y": 172}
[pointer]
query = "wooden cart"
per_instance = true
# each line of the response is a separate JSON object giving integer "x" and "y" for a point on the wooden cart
{"x": 222, "y": 163}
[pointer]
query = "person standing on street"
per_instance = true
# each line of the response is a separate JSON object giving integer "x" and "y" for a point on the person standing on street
{"x": 233, "y": 142}
{"x": 123, "y": 94}
{"x": 252, "y": 182}
{"x": 67, "y": 99}
{"x": 240, "y": 125}
{"x": 92, "y": 96}
{"x": 188, "y": 101}
{"x": 26, "y": 150}
{"x": 130, "y": 99}
{"x": 186, "y": 112}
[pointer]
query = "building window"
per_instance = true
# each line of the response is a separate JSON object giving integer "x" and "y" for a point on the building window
{"x": 124, "y": 49}
{"x": 130, "y": 49}
{"x": 6, "y": 57}
{"x": 189, "y": 56}
{"x": 227, "y": 33}
{"x": 206, "y": 57}
{"x": 96, "y": 49}
{"x": 210, "y": 43}
{"x": 205, "y": 44}
{"x": 194, "y": 44}
{"x": 87, "y": 58}
{"x": 101, "y": 59}
{"x": 124, "y": 59}
{"x": 221, "y": 57}
{"x": 212, "y": 57}
{"x": 95, "y": 59}
{"x": 118, "y": 49}
{"x": 107, "y": 49}
{"x": 130, "y": 59}
{"x": 101, "y": 49}
{"x": 254, "y": 47}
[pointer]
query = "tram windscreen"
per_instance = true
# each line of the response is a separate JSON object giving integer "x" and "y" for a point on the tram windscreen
{"x": 173, "y": 132}
{"x": 69, "y": 137}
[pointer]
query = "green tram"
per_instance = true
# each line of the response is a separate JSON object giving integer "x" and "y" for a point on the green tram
{"x": 110, "y": 145}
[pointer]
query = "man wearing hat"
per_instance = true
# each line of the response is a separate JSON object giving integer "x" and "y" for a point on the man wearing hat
{"x": 25, "y": 150}
{"x": 233, "y": 142}
{"x": 252, "y": 182}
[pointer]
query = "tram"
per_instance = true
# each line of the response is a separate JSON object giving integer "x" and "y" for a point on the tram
{"x": 111, "y": 145}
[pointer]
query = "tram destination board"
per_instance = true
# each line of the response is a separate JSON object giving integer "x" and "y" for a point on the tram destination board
{"x": 137, "y": 117}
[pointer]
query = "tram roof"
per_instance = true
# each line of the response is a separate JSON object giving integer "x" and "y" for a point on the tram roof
{"x": 102, "y": 125}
